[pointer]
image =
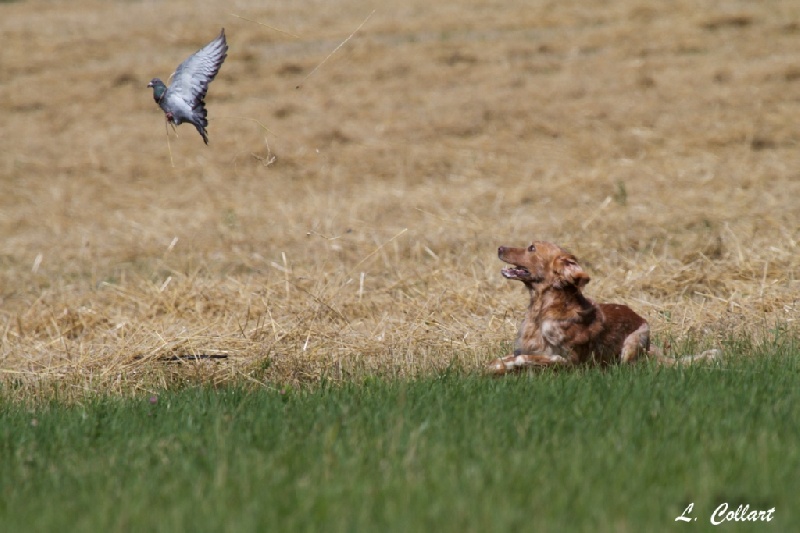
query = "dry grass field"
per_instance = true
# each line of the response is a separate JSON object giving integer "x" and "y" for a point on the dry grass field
{"x": 350, "y": 225}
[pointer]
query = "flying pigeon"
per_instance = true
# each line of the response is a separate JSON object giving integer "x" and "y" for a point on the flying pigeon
{"x": 183, "y": 100}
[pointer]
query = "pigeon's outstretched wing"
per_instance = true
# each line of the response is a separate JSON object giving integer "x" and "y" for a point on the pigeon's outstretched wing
{"x": 184, "y": 101}
{"x": 190, "y": 80}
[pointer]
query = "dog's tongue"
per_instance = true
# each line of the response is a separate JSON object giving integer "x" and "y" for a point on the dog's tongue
{"x": 513, "y": 272}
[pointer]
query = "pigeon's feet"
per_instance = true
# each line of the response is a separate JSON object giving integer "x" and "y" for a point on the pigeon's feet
{"x": 169, "y": 116}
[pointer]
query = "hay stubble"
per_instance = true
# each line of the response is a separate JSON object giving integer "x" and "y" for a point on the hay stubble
{"x": 658, "y": 143}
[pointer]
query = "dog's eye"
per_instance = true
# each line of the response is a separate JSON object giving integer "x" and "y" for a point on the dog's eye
{"x": 531, "y": 248}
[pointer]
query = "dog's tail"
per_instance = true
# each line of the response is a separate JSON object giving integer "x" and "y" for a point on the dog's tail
{"x": 704, "y": 357}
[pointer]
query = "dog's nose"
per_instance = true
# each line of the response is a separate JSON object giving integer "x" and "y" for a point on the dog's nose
{"x": 501, "y": 250}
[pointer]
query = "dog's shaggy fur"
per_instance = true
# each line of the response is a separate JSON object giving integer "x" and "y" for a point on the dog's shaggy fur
{"x": 564, "y": 328}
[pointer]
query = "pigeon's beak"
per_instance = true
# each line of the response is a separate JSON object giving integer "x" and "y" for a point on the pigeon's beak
{"x": 150, "y": 84}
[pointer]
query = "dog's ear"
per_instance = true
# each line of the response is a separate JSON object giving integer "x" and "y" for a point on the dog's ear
{"x": 567, "y": 272}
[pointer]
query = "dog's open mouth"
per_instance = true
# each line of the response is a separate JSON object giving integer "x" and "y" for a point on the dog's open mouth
{"x": 516, "y": 272}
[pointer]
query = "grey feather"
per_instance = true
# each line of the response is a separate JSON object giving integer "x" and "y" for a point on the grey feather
{"x": 184, "y": 100}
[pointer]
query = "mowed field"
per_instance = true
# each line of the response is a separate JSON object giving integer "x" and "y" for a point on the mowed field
{"x": 344, "y": 221}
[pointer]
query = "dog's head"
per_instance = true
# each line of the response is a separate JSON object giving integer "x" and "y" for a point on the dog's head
{"x": 543, "y": 264}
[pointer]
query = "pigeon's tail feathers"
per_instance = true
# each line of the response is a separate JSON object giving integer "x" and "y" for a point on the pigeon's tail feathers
{"x": 200, "y": 120}
{"x": 202, "y": 131}
{"x": 200, "y": 114}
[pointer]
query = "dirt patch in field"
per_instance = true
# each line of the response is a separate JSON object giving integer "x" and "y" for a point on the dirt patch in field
{"x": 350, "y": 225}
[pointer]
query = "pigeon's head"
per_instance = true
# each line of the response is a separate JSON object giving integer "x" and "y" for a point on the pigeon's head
{"x": 158, "y": 88}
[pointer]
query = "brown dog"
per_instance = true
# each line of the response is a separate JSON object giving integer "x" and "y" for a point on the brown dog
{"x": 564, "y": 328}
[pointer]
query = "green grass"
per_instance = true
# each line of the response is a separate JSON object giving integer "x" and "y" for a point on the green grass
{"x": 622, "y": 450}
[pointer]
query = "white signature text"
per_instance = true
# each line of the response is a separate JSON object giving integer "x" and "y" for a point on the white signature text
{"x": 723, "y": 513}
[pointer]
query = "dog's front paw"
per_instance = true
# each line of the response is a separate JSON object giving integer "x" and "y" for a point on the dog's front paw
{"x": 499, "y": 366}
